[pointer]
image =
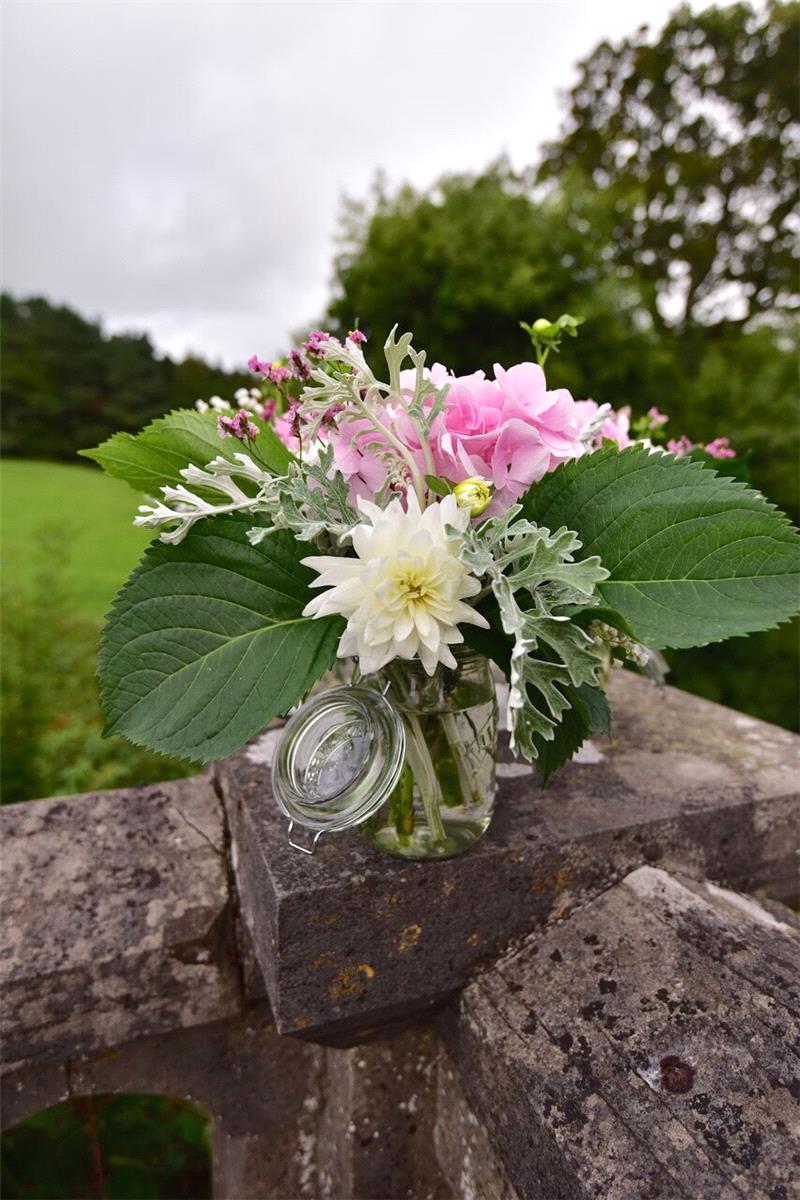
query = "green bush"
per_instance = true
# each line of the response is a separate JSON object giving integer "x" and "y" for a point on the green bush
{"x": 51, "y": 742}
{"x": 115, "y": 1147}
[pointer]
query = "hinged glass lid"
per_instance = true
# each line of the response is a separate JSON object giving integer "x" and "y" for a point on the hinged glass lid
{"x": 339, "y": 758}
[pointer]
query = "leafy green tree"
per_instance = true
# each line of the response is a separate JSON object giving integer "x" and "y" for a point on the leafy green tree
{"x": 67, "y": 385}
{"x": 694, "y": 142}
{"x": 461, "y": 263}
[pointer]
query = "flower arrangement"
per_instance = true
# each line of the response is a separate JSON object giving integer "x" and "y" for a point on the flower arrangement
{"x": 397, "y": 517}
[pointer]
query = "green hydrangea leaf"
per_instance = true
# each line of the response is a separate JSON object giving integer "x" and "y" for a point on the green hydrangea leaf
{"x": 155, "y": 457}
{"x": 731, "y": 468}
{"x": 207, "y": 641}
{"x": 588, "y": 713}
{"x": 693, "y": 557}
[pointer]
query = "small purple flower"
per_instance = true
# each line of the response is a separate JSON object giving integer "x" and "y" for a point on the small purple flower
{"x": 293, "y": 417}
{"x": 268, "y": 411}
{"x": 681, "y": 447}
{"x": 330, "y": 414}
{"x": 240, "y": 427}
{"x": 355, "y": 335}
{"x": 299, "y": 365}
{"x": 720, "y": 448}
{"x": 657, "y": 419}
{"x": 274, "y": 372}
{"x": 315, "y": 345}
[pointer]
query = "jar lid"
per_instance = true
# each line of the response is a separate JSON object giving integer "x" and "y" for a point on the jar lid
{"x": 338, "y": 759}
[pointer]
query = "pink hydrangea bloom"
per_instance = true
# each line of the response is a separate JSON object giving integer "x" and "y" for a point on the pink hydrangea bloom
{"x": 286, "y": 425}
{"x": 509, "y": 430}
{"x": 615, "y": 428}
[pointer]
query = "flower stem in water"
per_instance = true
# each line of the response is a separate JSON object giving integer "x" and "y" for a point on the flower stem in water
{"x": 425, "y": 776}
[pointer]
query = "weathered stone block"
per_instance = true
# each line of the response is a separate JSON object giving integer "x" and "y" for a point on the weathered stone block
{"x": 350, "y": 940}
{"x": 464, "y": 1152}
{"x": 376, "y": 1121}
{"x": 647, "y": 1047}
{"x": 115, "y": 918}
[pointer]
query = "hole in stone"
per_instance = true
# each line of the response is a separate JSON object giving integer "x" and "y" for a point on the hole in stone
{"x": 109, "y": 1145}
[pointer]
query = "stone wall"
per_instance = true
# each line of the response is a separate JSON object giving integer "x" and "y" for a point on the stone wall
{"x": 602, "y": 999}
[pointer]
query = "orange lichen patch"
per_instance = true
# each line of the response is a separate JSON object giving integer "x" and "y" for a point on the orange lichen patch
{"x": 325, "y": 919}
{"x": 475, "y": 939}
{"x": 387, "y": 903}
{"x": 551, "y": 877}
{"x": 408, "y": 937}
{"x": 300, "y": 1023}
{"x": 326, "y": 959}
{"x": 352, "y": 981}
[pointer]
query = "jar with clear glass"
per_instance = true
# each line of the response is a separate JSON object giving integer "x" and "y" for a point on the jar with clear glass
{"x": 406, "y": 756}
{"x": 444, "y": 798}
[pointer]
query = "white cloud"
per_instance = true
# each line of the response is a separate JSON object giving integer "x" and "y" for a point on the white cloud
{"x": 178, "y": 166}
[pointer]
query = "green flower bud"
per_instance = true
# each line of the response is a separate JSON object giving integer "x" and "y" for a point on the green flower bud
{"x": 474, "y": 493}
{"x": 541, "y": 325}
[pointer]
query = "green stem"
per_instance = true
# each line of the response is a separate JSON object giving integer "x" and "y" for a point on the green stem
{"x": 457, "y": 751}
{"x": 425, "y": 776}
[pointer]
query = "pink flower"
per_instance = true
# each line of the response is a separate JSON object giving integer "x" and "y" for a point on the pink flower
{"x": 681, "y": 446}
{"x": 274, "y": 372}
{"x": 720, "y": 448}
{"x": 286, "y": 431}
{"x": 239, "y": 426}
{"x": 356, "y": 335}
{"x": 315, "y": 345}
{"x": 300, "y": 366}
{"x": 657, "y": 419}
{"x": 509, "y": 430}
{"x": 354, "y": 455}
{"x": 615, "y": 428}
{"x": 268, "y": 411}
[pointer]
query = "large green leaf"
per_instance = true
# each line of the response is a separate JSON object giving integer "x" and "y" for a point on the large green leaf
{"x": 693, "y": 557}
{"x": 588, "y": 713}
{"x": 155, "y": 457}
{"x": 206, "y": 642}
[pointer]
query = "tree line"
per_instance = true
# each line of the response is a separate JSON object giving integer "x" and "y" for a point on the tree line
{"x": 67, "y": 385}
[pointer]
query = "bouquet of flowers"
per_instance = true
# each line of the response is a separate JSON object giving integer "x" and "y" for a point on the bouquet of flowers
{"x": 397, "y": 518}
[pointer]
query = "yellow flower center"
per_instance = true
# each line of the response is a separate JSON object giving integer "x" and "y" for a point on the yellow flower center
{"x": 416, "y": 589}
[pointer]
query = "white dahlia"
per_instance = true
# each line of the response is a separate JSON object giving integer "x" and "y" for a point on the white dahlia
{"x": 403, "y": 596}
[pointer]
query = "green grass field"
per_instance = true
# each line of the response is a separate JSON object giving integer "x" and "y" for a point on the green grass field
{"x": 92, "y": 511}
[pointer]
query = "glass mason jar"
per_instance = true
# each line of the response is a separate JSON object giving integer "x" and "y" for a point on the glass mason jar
{"x": 444, "y": 798}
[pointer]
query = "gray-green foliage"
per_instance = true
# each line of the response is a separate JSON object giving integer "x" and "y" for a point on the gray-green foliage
{"x": 312, "y": 500}
{"x": 206, "y": 643}
{"x": 348, "y": 386}
{"x": 692, "y": 557}
{"x": 532, "y": 573}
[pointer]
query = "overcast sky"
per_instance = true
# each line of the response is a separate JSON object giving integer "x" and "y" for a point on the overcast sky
{"x": 177, "y": 166}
